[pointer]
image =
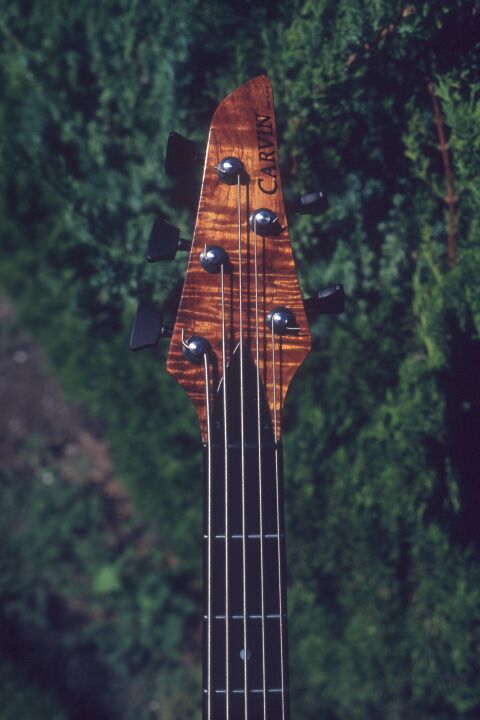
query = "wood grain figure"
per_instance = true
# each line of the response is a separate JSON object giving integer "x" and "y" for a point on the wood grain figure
{"x": 243, "y": 127}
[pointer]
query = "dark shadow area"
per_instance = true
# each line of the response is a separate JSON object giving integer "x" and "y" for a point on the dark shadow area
{"x": 462, "y": 392}
{"x": 82, "y": 683}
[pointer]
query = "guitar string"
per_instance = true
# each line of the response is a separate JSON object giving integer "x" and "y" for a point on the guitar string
{"x": 260, "y": 479}
{"x": 243, "y": 479}
{"x": 209, "y": 541}
{"x": 227, "y": 524}
{"x": 279, "y": 544}
{"x": 242, "y": 443}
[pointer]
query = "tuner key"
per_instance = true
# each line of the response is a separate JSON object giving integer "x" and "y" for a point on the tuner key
{"x": 164, "y": 242}
{"x": 230, "y": 169}
{"x": 329, "y": 301}
{"x": 265, "y": 222}
{"x": 315, "y": 202}
{"x": 181, "y": 156}
{"x": 195, "y": 349}
{"x": 212, "y": 258}
{"x": 148, "y": 328}
{"x": 281, "y": 320}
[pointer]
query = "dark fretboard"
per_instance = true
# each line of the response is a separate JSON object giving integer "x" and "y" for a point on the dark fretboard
{"x": 239, "y": 556}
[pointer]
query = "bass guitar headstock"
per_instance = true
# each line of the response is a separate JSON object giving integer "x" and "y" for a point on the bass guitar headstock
{"x": 241, "y": 295}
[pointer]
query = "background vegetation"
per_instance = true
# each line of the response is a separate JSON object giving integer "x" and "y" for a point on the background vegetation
{"x": 382, "y": 443}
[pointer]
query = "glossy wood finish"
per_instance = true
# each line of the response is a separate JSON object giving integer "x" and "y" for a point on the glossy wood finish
{"x": 243, "y": 126}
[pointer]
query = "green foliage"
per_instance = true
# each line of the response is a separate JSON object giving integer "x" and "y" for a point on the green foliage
{"x": 381, "y": 447}
{"x": 101, "y": 615}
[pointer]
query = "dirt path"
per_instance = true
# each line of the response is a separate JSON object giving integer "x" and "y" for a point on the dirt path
{"x": 33, "y": 409}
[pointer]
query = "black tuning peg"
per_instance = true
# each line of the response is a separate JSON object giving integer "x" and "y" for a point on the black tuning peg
{"x": 315, "y": 202}
{"x": 148, "y": 328}
{"x": 182, "y": 154}
{"x": 329, "y": 301}
{"x": 165, "y": 241}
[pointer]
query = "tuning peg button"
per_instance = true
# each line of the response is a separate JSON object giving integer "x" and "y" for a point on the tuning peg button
{"x": 281, "y": 320}
{"x": 329, "y": 301}
{"x": 195, "y": 349}
{"x": 230, "y": 169}
{"x": 315, "y": 202}
{"x": 212, "y": 258}
{"x": 265, "y": 222}
{"x": 165, "y": 241}
{"x": 148, "y": 327}
{"x": 181, "y": 156}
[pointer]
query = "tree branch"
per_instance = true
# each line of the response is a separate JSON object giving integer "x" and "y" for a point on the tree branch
{"x": 385, "y": 32}
{"x": 451, "y": 198}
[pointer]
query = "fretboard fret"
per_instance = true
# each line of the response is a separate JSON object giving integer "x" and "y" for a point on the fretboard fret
{"x": 251, "y": 536}
{"x": 268, "y": 616}
{"x": 274, "y": 697}
{"x": 238, "y": 446}
{"x": 240, "y": 691}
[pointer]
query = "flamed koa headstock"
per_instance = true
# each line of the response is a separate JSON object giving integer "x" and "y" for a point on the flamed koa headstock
{"x": 242, "y": 129}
